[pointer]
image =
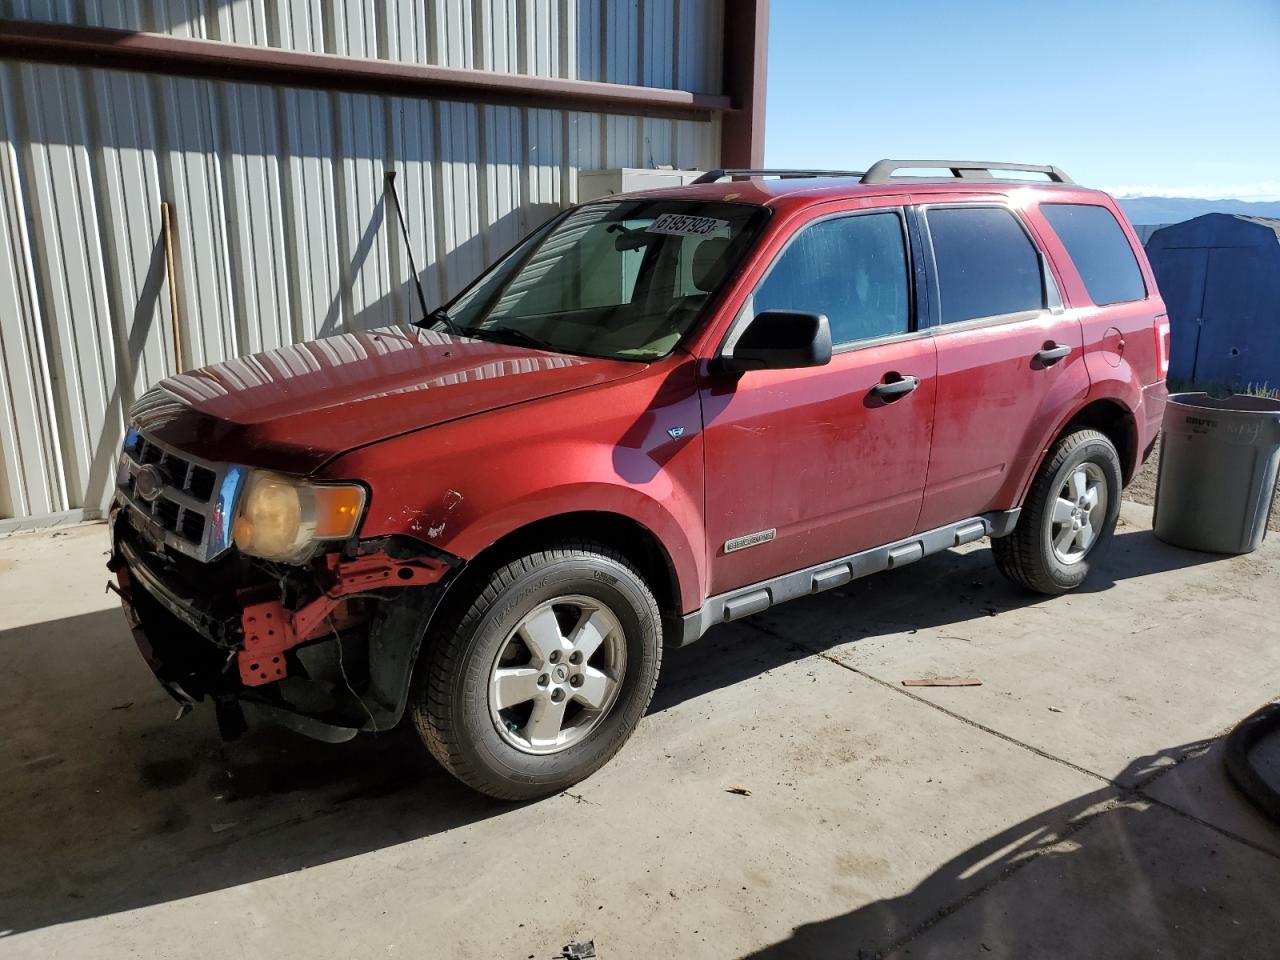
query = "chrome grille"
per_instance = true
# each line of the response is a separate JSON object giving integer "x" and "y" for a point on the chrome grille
{"x": 195, "y": 503}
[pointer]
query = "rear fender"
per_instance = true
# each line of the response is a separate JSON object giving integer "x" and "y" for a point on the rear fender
{"x": 1109, "y": 384}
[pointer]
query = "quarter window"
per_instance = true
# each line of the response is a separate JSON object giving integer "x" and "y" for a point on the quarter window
{"x": 987, "y": 265}
{"x": 1099, "y": 249}
{"x": 853, "y": 269}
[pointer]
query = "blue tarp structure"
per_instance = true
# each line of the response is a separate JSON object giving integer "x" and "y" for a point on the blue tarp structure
{"x": 1220, "y": 278}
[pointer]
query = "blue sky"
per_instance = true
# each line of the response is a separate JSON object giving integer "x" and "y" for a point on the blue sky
{"x": 1174, "y": 98}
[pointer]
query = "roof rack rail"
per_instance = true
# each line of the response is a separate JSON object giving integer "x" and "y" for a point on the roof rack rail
{"x": 714, "y": 176}
{"x": 883, "y": 170}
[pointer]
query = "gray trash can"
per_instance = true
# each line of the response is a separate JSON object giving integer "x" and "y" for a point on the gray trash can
{"x": 1218, "y": 464}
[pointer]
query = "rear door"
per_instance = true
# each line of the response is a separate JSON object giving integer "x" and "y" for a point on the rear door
{"x": 813, "y": 464}
{"x": 1010, "y": 358}
{"x": 1118, "y": 310}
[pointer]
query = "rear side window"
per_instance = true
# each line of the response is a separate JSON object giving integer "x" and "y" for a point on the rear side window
{"x": 1100, "y": 251}
{"x": 853, "y": 269}
{"x": 987, "y": 265}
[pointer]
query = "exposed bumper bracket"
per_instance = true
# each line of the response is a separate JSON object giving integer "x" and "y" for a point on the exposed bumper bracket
{"x": 270, "y": 628}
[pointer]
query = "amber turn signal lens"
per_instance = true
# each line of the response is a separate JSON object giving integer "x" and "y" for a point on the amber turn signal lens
{"x": 338, "y": 511}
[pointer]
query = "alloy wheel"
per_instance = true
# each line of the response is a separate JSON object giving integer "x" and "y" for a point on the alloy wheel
{"x": 557, "y": 674}
{"x": 1078, "y": 513}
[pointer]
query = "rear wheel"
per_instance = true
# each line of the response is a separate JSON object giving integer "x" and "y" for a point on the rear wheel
{"x": 1070, "y": 514}
{"x": 542, "y": 673}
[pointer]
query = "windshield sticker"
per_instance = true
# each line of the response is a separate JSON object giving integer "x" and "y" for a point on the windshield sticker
{"x": 679, "y": 225}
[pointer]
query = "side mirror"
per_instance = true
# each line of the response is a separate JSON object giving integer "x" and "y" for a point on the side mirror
{"x": 779, "y": 340}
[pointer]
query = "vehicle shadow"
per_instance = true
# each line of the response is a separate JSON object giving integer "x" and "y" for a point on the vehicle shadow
{"x": 110, "y": 806}
{"x": 1108, "y": 874}
{"x": 957, "y": 590}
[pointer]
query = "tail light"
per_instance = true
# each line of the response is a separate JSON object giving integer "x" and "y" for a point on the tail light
{"x": 1162, "y": 347}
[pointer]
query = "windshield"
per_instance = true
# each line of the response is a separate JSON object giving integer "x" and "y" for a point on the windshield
{"x": 625, "y": 280}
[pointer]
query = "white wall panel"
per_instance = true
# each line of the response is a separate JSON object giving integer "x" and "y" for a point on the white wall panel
{"x": 62, "y": 212}
{"x": 129, "y": 208}
{"x": 299, "y": 24}
{"x": 32, "y": 478}
{"x": 191, "y": 174}
{"x": 310, "y": 216}
{"x": 659, "y": 43}
{"x": 251, "y": 171}
{"x": 281, "y": 229}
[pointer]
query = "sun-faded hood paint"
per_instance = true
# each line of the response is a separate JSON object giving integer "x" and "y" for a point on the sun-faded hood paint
{"x": 299, "y": 406}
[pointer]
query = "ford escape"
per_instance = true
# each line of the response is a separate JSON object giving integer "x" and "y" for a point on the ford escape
{"x": 657, "y": 413}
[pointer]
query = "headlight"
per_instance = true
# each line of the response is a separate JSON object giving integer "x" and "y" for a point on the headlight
{"x": 283, "y": 517}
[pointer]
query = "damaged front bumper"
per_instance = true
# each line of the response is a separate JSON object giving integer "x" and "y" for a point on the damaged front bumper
{"x": 327, "y": 649}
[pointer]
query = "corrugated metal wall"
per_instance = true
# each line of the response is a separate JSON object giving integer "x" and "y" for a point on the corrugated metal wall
{"x": 281, "y": 229}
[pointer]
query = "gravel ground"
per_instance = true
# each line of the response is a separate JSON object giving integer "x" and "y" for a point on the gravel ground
{"x": 1143, "y": 489}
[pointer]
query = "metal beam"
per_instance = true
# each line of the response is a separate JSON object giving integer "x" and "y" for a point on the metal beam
{"x": 211, "y": 59}
{"x": 746, "y": 54}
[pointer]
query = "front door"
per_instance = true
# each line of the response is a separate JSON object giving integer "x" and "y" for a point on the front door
{"x": 809, "y": 465}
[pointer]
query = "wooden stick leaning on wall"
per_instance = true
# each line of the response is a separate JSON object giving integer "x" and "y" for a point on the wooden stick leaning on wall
{"x": 166, "y": 227}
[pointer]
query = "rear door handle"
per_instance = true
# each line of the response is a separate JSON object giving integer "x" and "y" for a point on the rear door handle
{"x": 896, "y": 388}
{"x": 1052, "y": 355}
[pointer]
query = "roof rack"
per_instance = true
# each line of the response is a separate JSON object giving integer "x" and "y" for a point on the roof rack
{"x": 715, "y": 176}
{"x": 883, "y": 171}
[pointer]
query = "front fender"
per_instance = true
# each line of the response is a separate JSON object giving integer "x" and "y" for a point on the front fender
{"x": 667, "y": 519}
{"x": 633, "y": 449}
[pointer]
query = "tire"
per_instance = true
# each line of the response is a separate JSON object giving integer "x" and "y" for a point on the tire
{"x": 1049, "y": 554}
{"x": 504, "y": 631}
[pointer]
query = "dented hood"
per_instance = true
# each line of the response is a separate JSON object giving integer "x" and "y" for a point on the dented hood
{"x": 297, "y": 407}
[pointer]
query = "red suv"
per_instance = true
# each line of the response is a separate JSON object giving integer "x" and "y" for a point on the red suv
{"x": 659, "y": 412}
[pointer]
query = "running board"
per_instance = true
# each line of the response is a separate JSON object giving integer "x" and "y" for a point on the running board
{"x": 745, "y": 601}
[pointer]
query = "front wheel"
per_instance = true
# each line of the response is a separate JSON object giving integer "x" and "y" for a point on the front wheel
{"x": 542, "y": 673}
{"x": 1069, "y": 514}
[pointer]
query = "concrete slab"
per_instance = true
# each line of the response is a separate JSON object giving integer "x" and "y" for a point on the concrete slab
{"x": 133, "y": 833}
{"x": 875, "y": 818}
{"x": 1200, "y": 787}
{"x": 1162, "y": 647}
{"x": 1138, "y": 881}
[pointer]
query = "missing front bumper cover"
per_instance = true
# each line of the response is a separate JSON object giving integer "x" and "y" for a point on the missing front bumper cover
{"x": 221, "y": 645}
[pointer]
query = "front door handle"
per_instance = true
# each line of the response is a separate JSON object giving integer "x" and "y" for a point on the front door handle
{"x": 1051, "y": 355}
{"x": 896, "y": 388}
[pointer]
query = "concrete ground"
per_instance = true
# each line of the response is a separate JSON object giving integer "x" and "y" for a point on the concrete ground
{"x": 1071, "y": 806}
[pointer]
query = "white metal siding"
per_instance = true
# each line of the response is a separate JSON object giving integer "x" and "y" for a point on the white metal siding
{"x": 281, "y": 229}
{"x": 674, "y": 44}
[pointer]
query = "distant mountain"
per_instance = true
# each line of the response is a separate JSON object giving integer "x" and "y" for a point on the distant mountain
{"x": 1176, "y": 209}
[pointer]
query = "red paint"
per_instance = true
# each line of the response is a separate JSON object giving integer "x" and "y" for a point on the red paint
{"x": 462, "y": 442}
{"x": 817, "y": 457}
{"x": 296, "y": 407}
{"x": 270, "y": 628}
{"x": 604, "y": 448}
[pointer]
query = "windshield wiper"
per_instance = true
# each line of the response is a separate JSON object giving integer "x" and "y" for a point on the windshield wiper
{"x": 510, "y": 335}
{"x": 498, "y": 333}
{"x": 441, "y": 315}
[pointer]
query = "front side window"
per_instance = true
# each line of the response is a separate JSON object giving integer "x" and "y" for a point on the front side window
{"x": 1099, "y": 249}
{"x": 987, "y": 265}
{"x": 853, "y": 269}
{"x": 625, "y": 280}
